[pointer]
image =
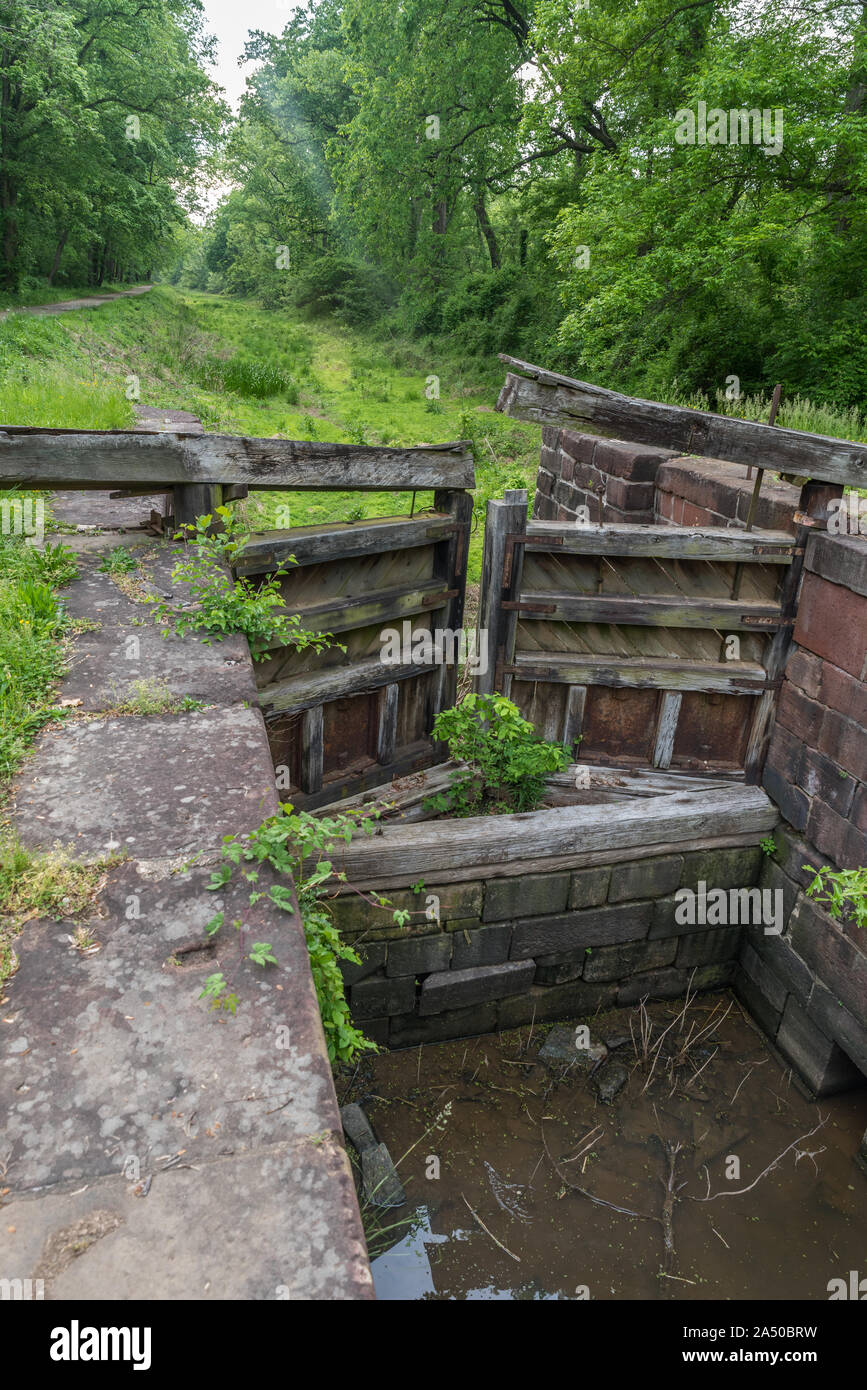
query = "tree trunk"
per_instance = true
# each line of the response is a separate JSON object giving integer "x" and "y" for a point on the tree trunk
{"x": 522, "y": 247}
{"x": 488, "y": 232}
{"x": 58, "y": 252}
{"x": 9, "y": 206}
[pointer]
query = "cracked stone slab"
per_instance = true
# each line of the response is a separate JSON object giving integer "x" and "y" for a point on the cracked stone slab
{"x": 156, "y": 786}
{"x": 281, "y": 1223}
{"x": 128, "y": 646}
{"x": 112, "y": 1054}
{"x": 146, "y": 1131}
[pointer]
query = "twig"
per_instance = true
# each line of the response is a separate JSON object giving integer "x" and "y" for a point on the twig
{"x": 739, "y": 1192}
{"x": 503, "y": 1247}
{"x": 600, "y": 1201}
{"x": 745, "y": 1078}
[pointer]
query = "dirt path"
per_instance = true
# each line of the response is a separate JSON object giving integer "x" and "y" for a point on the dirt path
{"x": 65, "y": 306}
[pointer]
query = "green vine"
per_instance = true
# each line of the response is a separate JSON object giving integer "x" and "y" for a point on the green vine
{"x": 223, "y": 605}
{"x": 296, "y": 846}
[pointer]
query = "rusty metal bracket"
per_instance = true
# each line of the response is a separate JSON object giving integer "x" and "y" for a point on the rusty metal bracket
{"x": 522, "y": 538}
{"x": 752, "y": 620}
{"x": 434, "y": 600}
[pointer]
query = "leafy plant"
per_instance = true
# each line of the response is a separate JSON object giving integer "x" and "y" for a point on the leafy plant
{"x": 223, "y": 604}
{"x": 842, "y": 892}
{"x": 768, "y": 845}
{"x": 507, "y": 762}
{"x": 119, "y": 560}
{"x": 296, "y": 846}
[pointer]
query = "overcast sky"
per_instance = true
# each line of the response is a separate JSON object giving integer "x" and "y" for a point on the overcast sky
{"x": 231, "y": 21}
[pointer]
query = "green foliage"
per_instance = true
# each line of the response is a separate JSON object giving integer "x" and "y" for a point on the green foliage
{"x": 768, "y": 845}
{"x": 119, "y": 560}
{"x": 507, "y": 761}
{"x": 33, "y": 624}
{"x": 842, "y": 892}
{"x": 296, "y": 846}
{"x": 223, "y": 604}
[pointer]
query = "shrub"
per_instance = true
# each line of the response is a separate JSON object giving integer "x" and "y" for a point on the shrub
{"x": 507, "y": 762}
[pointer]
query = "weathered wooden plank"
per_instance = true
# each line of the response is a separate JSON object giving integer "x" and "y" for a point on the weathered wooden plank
{"x": 341, "y": 615}
{"x": 387, "y": 728}
{"x": 193, "y": 501}
{"x": 573, "y": 722}
{"x": 496, "y": 868}
{"x": 555, "y": 399}
{"x": 316, "y": 545}
{"x": 311, "y": 750}
{"x": 502, "y": 564}
{"x": 43, "y": 458}
{"x": 449, "y": 845}
{"x": 729, "y": 677}
{"x": 666, "y": 728}
{"x": 450, "y": 566}
{"x": 341, "y": 790}
{"x": 725, "y": 545}
{"x": 318, "y": 687}
{"x": 733, "y": 615}
{"x": 402, "y": 798}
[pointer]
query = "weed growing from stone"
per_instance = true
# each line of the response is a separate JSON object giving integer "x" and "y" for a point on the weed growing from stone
{"x": 841, "y": 892}
{"x": 506, "y": 761}
{"x": 42, "y": 885}
{"x": 154, "y": 697}
{"x": 222, "y": 605}
{"x": 296, "y": 847}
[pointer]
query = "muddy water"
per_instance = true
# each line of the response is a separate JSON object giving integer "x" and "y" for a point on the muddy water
{"x": 512, "y": 1137}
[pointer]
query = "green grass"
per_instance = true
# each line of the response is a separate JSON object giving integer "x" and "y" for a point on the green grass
{"x": 33, "y": 624}
{"x": 246, "y": 370}
{"x": 270, "y": 373}
{"x": 42, "y": 885}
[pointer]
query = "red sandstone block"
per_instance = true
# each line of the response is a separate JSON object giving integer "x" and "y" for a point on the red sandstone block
{"x": 844, "y": 693}
{"x": 632, "y": 461}
{"x": 550, "y": 459}
{"x": 544, "y": 482}
{"x": 695, "y": 516}
{"x": 836, "y": 838}
{"x": 617, "y": 516}
{"x": 805, "y": 671}
{"x": 580, "y": 447}
{"x": 711, "y": 494}
{"x": 590, "y": 478}
{"x": 844, "y": 741}
{"x": 858, "y": 814}
{"x": 821, "y": 777}
{"x": 630, "y": 497}
{"x": 803, "y": 716}
{"x": 832, "y": 622}
{"x": 551, "y": 436}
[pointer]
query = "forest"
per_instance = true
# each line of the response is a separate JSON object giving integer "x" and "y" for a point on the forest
{"x": 503, "y": 175}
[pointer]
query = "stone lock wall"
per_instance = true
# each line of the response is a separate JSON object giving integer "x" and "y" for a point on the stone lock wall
{"x": 541, "y": 946}
{"x": 807, "y": 988}
{"x": 622, "y": 482}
